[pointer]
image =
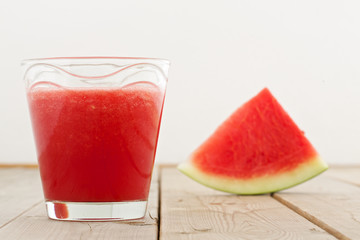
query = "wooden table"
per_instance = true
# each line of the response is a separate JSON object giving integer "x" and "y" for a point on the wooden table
{"x": 327, "y": 207}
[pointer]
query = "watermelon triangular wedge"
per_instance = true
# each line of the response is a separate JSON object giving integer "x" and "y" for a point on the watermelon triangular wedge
{"x": 258, "y": 149}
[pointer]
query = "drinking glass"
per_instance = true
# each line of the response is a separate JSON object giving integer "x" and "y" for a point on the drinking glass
{"x": 96, "y": 123}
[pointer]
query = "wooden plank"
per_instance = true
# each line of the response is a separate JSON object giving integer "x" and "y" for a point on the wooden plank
{"x": 35, "y": 225}
{"x": 192, "y": 211}
{"x": 329, "y": 203}
{"x": 20, "y": 189}
{"x": 350, "y": 174}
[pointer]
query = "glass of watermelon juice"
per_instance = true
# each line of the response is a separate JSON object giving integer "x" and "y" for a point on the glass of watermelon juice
{"x": 96, "y": 123}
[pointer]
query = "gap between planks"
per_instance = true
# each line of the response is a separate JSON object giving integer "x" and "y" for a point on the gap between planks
{"x": 329, "y": 202}
{"x": 312, "y": 219}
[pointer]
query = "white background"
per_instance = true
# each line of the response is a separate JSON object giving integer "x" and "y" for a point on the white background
{"x": 223, "y": 52}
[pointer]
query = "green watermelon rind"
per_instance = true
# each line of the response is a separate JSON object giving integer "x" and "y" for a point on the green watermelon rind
{"x": 257, "y": 185}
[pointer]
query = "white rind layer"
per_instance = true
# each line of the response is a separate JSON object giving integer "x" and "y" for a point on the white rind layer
{"x": 256, "y": 185}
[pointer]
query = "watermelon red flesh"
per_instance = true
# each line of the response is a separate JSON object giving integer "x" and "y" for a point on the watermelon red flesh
{"x": 258, "y": 149}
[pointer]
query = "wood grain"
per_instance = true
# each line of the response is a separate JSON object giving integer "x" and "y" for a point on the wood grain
{"x": 350, "y": 174}
{"x": 35, "y": 225}
{"x": 20, "y": 189}
{"x": 192, "y": 211}
{"x": 331, "y": 204}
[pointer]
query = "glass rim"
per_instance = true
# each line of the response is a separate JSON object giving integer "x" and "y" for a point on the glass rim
{"x": 51, "y": 59}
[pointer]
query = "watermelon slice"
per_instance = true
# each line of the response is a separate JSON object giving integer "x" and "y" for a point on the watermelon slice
{"x": 258, "y": 149}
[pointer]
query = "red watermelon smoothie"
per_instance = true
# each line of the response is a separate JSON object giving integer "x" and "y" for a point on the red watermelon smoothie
{"x": 96, "y": 144}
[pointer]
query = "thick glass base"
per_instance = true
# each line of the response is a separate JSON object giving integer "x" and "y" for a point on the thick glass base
{"x": 96, "y": 211}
